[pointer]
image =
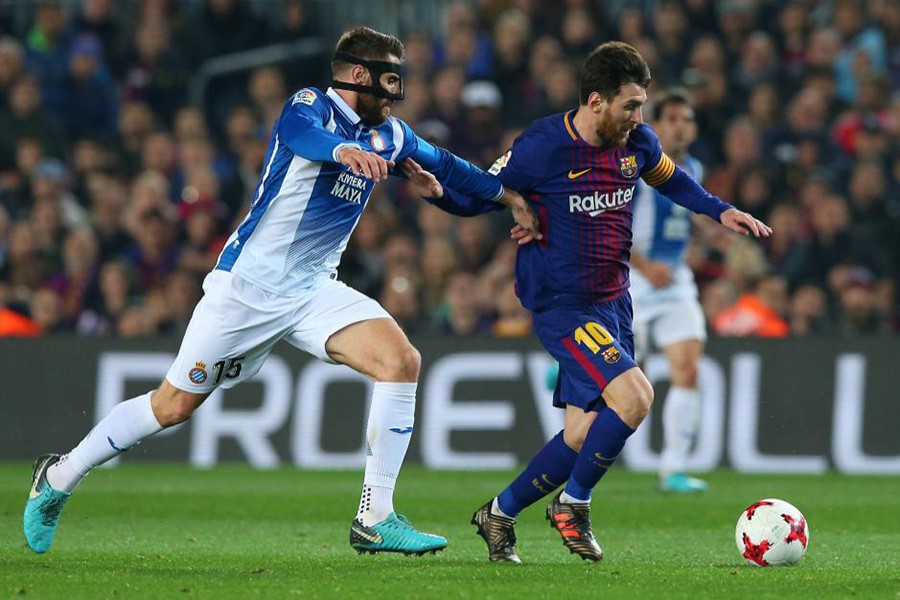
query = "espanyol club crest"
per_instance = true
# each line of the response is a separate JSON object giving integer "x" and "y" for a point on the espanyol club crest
{"x": 377, "y": 141}
{"x": 198, "y": 373}
{"x": 628, "y": 166}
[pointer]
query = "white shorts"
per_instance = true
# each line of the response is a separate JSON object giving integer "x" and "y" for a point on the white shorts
{"x": 236, "y": 324}
{"x": 666, "y": 316}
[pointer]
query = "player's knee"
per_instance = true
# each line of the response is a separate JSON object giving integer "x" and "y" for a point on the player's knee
{"x": 644, "y": 399}
{"x": 402, "y": 364}
{"x": 640, "y": 401}
{"x": 684, "y": 373}
{"x": 174, "y": 409}
{"x": 687, "y": 378}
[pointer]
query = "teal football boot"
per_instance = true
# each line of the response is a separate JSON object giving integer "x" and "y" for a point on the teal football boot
{"x": 681, "y": 483}
{"x": 394, "y": 534}
{"x": 43, "y": 507}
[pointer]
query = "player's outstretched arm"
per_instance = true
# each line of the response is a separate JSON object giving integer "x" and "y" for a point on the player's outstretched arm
{"x": 451, "y": 170}
{"x": 427, "y": 186}
{"x": 682, "y": 189}
{"x": 424, "y": 184}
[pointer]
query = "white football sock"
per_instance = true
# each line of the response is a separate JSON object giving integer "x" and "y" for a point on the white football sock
{"x": 681, "y": 417}
{"x": 388, "y": 432}
{"x": 496, "y": 510}
{"x": 569, "y": 499}
{"x": 126, "y": 424}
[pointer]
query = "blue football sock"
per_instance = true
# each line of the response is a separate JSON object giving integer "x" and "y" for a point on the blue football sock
{"x": 605, "y": 440}
{"x": 548, "y": 470}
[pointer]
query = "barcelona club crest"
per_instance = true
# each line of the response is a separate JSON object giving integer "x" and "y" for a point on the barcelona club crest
{"x": 198, "y": 373}
{"x": 611, "y": 355}
{"x": 628, "y": 166}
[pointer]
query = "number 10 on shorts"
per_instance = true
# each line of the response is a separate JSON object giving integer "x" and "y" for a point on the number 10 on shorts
{"x": 593, "y": 335}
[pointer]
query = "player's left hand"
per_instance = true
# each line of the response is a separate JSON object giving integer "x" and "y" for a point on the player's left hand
{"x": 520, "y": 234}
{"x": 421, "y": 182}
{"x": 528, "y": 226}
{"x": 744, "y": 223}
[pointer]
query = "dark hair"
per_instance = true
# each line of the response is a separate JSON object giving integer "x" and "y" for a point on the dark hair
{"x": 610, "y": 66}
{"x": 366, "y": 43}
{"x": 671, "y": 97}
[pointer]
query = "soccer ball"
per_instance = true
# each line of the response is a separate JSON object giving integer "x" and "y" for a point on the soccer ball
{"x": 771, "y": 532}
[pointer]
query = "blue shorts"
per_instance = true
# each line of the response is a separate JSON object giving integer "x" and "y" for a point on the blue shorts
{"x": 593, "y": 344}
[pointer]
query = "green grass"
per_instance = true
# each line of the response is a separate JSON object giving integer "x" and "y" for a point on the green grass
{"x": 163, "y": 531}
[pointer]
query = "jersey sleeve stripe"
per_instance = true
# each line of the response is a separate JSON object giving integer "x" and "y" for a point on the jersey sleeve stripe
{"x": 569, "y": 125}
{"x": 661, "y": 173}
{"x": 398, "y": 138}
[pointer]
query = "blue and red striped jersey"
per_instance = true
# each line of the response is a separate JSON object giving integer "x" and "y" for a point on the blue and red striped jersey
{"x": 583, "y": 195}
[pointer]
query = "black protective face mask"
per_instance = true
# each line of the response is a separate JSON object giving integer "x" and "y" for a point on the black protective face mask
{"x": 376, "y": 69}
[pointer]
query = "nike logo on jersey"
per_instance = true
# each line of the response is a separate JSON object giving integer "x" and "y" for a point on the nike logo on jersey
{"x": 577, "y": 174}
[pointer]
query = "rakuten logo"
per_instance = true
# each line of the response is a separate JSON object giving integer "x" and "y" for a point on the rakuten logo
{"x": 598, "y": 203}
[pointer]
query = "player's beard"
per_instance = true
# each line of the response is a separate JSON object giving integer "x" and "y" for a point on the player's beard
{"x": 372, "y": 111}
{"x": 613, "y": 134}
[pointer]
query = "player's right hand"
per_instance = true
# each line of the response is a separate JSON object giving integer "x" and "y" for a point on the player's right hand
{"x": 367, "y": 164}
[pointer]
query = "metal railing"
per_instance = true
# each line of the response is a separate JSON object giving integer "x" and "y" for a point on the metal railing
{"x": 331, "y": 17}
{"x": 228, "y": 64}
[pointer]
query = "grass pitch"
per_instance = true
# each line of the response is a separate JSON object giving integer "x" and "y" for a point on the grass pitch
{"x": 164, "y": 531}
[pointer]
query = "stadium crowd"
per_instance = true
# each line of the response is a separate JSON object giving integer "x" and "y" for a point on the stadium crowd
{"x": 116, "y": 194}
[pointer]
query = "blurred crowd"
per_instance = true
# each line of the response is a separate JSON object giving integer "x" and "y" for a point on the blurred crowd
{"x": 116, "y": 193}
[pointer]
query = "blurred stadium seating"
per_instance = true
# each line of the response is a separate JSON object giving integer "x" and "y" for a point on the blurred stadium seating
{"x": 129, "y": 149}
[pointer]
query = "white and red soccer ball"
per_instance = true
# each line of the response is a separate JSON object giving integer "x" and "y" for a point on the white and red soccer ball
{"x": 771, "y": 532}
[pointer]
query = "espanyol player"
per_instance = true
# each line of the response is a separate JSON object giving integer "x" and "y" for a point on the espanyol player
{"x": 276, "y": 279}
{"x": 579, "y": 171}
{"x": 667, "y": 309}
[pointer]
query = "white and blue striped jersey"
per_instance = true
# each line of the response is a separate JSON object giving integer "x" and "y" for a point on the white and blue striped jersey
{"x": 661, "y": 229}
{"x": 307, "y": 204}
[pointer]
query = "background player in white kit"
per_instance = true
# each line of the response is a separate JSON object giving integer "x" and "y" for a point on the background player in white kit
{"x": 276, "y": 279}
{"x": 667, "y": 311}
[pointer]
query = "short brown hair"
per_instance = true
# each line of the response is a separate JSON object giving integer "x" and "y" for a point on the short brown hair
{"x": 610, "y": 66}
{"x": 672, "y": 97}
{"x": 366, "y": 43}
